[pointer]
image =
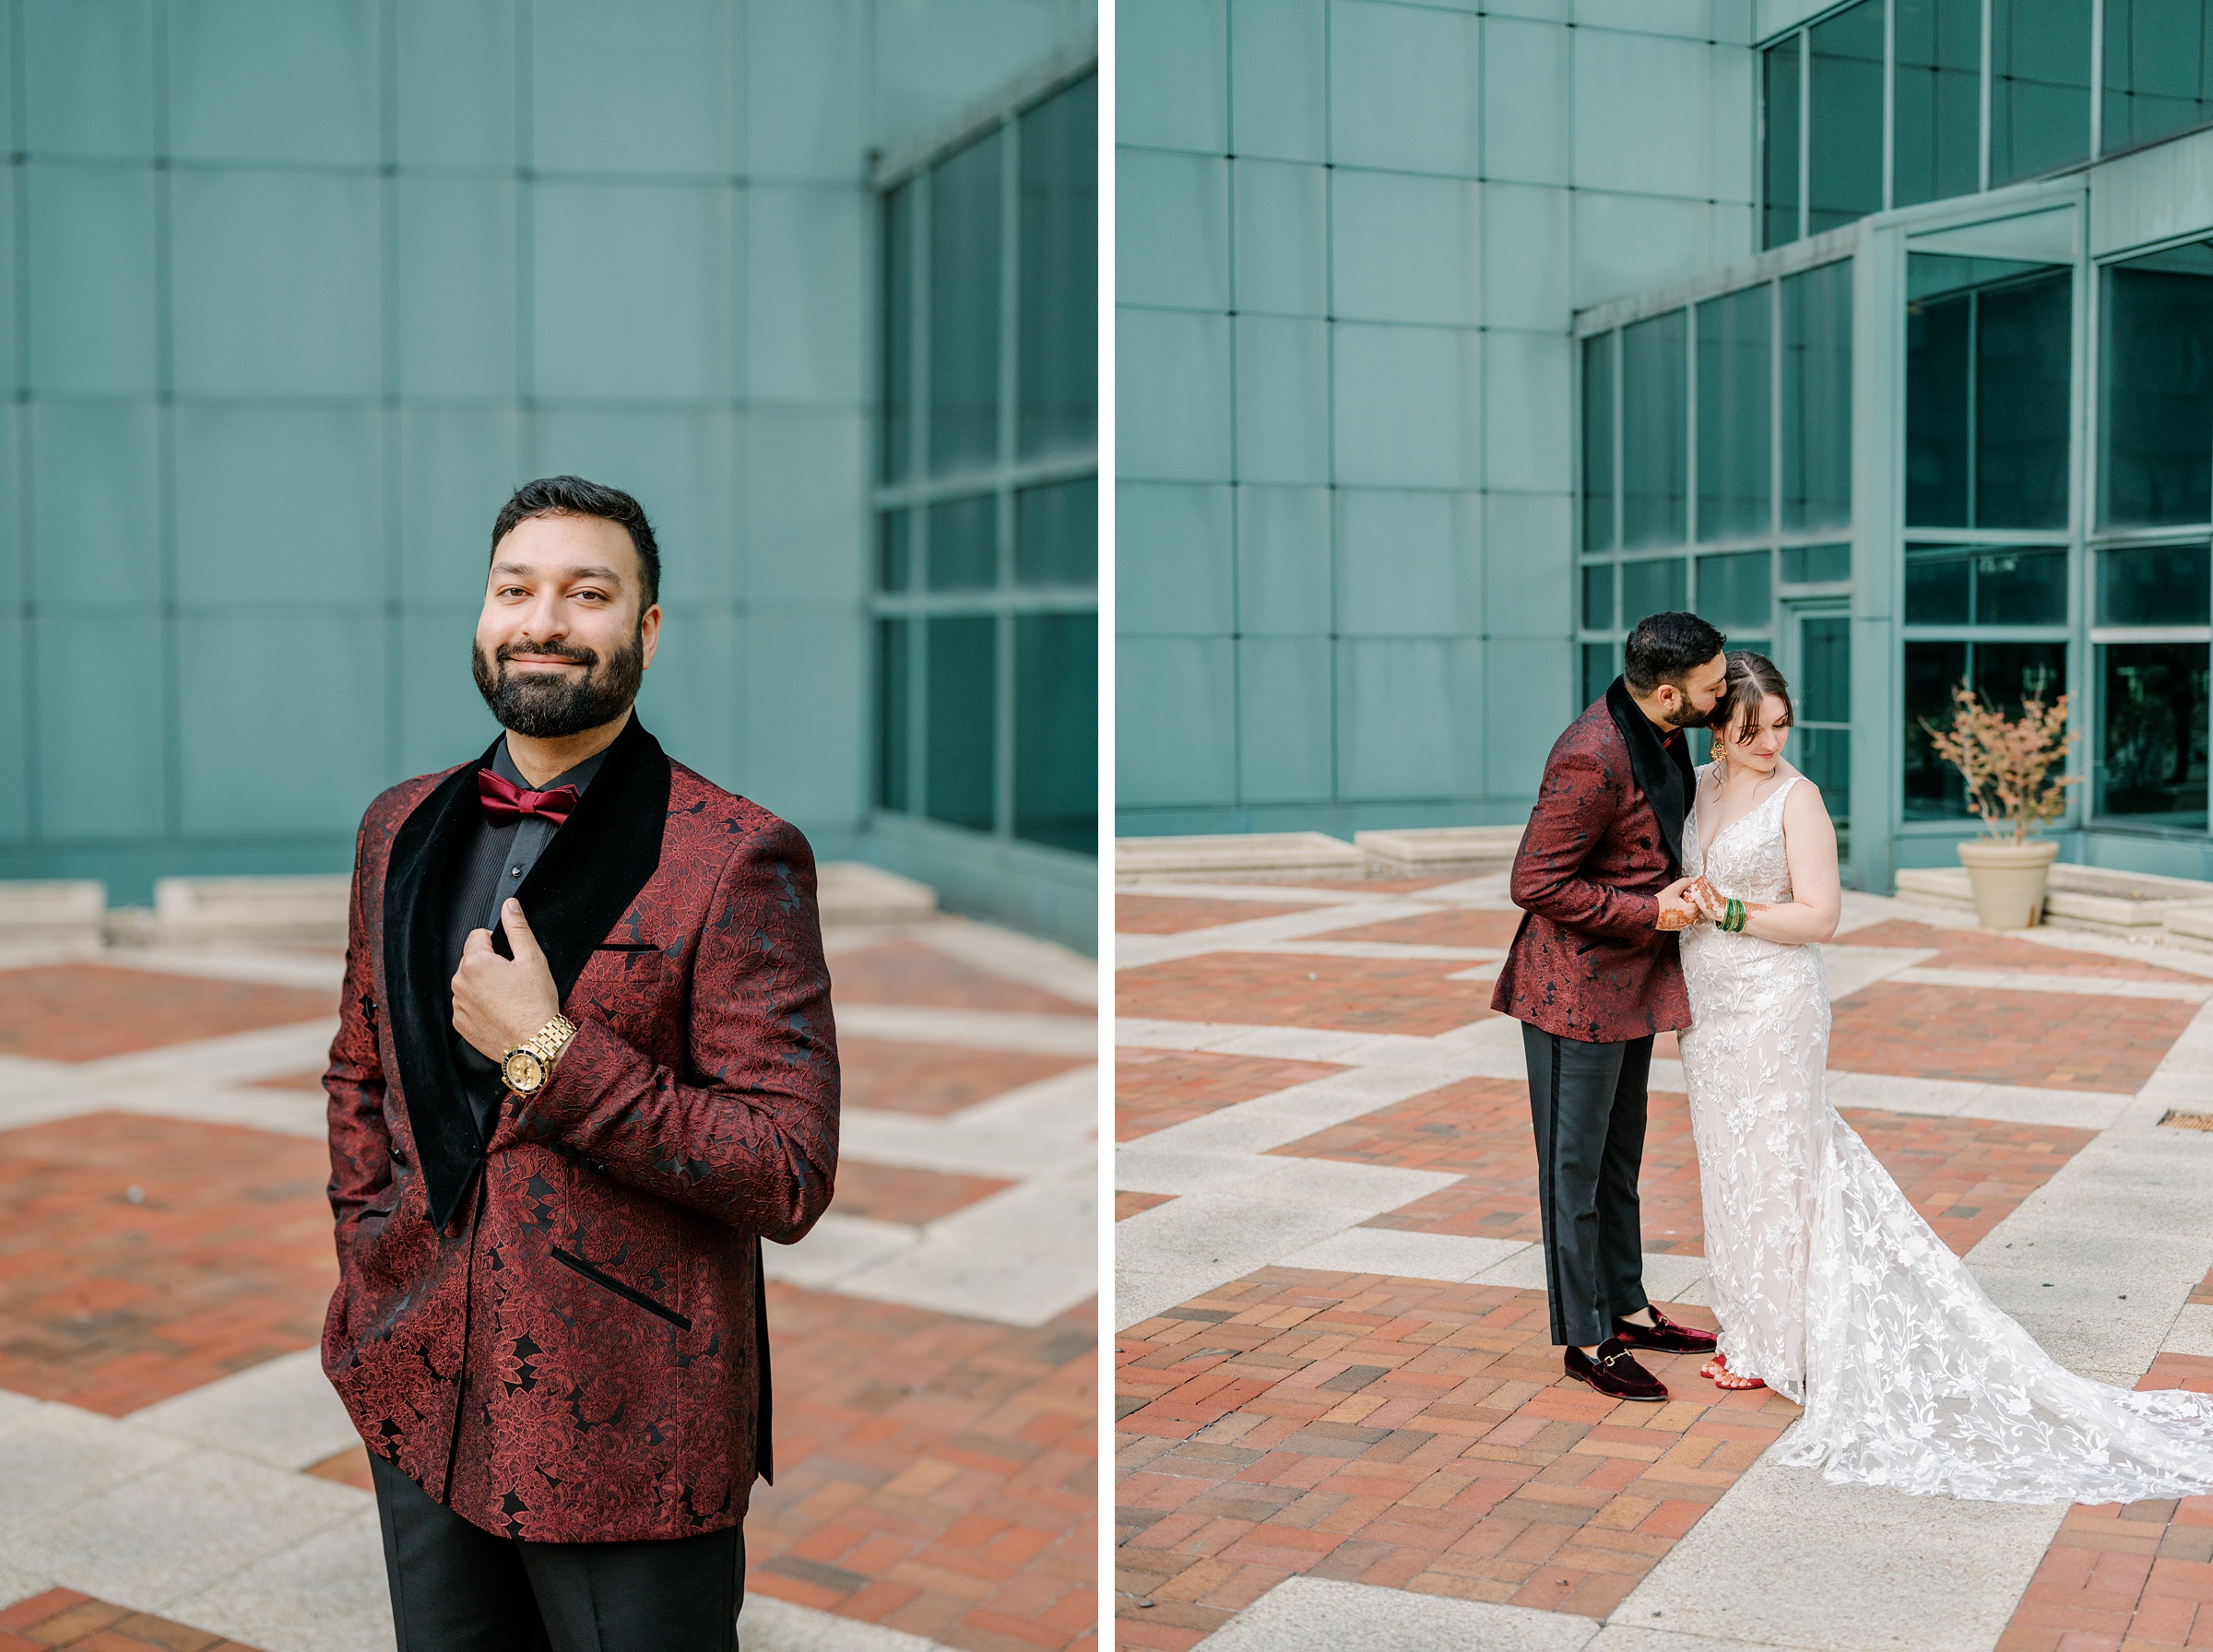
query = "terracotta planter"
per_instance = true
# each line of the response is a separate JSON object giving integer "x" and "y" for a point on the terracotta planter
{"x": 2008, "y": 880}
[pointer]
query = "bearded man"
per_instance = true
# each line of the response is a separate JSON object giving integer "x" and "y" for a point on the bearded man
{"x": 584, "y": 1065}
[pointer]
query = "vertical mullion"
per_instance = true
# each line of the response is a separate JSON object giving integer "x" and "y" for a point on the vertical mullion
{"x": 1615, "y": 415}
{"x": 1690, "y": 432}
{"x": 1806, "y": 131}
{"x": 2097, "y": 78}
{"x": 20, "y": 602}
{"x": 165, "y": 439}
{"x": 1974, "y": 434}
{"x": 1009, "y": 381}
{"x": 1982, "y": 138}
{"x": 919, "y": 230}
{"x": 1890, "y": 101}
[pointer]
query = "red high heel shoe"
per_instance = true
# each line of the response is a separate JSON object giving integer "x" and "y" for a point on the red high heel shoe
{"x": 1717, "y": 1368}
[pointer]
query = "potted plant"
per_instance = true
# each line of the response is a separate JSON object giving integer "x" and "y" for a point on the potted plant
{"x": 2007, "y": 763}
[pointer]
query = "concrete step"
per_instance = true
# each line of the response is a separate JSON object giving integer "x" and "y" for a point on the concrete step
{"x": 1274, "y": 856}
{"x": 268, "y": 910}
{"x": 2141, "y": 905}
{"x": 1465, "y": 850}
{"x": 853, "y": 893}
{"x": 52, "y": 912}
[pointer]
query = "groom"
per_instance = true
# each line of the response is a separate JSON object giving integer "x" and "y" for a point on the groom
{"x": 585, "y": 1067}
{"x": 1594, "y": 980}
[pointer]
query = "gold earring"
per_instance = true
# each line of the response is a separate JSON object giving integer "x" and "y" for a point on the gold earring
{"x": 1719, "y": 749}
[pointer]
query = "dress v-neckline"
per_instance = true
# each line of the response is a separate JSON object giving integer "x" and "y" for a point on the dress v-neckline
{"x": 1706, "y": 849}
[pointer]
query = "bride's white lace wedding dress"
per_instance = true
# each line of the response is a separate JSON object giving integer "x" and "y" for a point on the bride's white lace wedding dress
{"x": 1829, "y": 1286}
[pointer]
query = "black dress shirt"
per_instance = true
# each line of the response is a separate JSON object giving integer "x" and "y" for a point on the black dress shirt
{"x": 489, "y": 864}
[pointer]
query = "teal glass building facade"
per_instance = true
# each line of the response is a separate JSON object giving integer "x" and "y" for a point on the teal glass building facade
{"x": 1872, "y": 332}
{"x": 297, "y": 289}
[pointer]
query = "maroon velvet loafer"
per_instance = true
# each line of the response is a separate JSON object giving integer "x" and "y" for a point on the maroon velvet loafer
{"x": 1664, "y": 1336}
{"x": 1614, "y": 1372}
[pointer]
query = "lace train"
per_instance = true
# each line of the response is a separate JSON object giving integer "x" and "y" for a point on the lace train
{"x": 1831, "y": 1288}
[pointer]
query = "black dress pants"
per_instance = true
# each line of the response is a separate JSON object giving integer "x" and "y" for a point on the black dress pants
{"x": 457, "y": 1588}
{"x": 1588, "y": 1103}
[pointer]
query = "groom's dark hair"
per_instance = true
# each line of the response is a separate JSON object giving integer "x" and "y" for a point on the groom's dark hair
{"x": 1667, "y": 648}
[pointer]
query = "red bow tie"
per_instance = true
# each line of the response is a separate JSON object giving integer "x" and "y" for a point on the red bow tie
{"x": 504, "y": 802}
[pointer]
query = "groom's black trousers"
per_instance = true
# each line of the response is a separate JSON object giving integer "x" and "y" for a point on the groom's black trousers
{"x": 1588, "y": 1103}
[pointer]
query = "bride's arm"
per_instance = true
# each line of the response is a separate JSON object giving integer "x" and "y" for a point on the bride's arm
{"x": 1809, "y": 841}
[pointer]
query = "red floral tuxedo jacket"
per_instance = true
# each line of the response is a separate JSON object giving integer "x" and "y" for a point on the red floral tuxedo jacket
{"x": 1587, "y": 962}
{"x": 560, "y": 1332}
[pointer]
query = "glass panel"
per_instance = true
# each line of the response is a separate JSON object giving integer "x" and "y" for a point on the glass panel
{"x": 2003, "y": 673}
{"x": 1940, "y": 590}
{"x": 963, "y": 307}
{"x": 1599, "y": 670}
{"x": 1844, "y": 85}
{"x": 1816, "y": 397}
{"x": 2159, "y": 69}
{"x": 2040, "y": 91}
{"x": 1056, "y": 730}
{"x": 1655, "y": 447}
{"x": 897, "y": 430}
{"x": 1778, "y": 83}
{"x": 1059, "y": 327}
{"x": 1931, "y": 786}
{"x": 963, "y": 543}
{"x": 964, "y": 712}
{"x": 2021, "y": 380}
{"x": 1655, "y": 587}
{"x": 1598, "y": 596}
{"x": 2021, "y": 587}
{"x": 1735, "y": 590}
{"x": 1057, "y": 534}
{"x": 1816, "y": 564}
{"x": 1938, "y": 136}
{"x": 894, "y": 558}
{"x": 2151, "y": 742}
{"x": 1822, "y": 695}
{"x": 1598, "y": 441}
{"x": 2158, "y": 395}
{"x": 2163, "y": 584}
{"x": 1734, "y": 371}
{"x": 895, "y": 646}
{"x": 1939, "y": 345}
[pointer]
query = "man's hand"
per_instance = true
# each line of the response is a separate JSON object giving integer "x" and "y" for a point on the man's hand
{"x": 1711, "y": 905}
{"x": 1675, "y": 909}
{"x": 499, "y": 1003}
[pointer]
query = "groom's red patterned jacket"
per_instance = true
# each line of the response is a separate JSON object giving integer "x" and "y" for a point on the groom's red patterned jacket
{"x": 559, "y": 1331}
{"x": 1587, "y": 962}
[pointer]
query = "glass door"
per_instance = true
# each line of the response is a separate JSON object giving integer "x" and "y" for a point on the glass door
{"x": 1818, "y": 660}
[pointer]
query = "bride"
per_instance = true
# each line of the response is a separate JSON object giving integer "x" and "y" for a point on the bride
{"x": 1829, "y": 1287}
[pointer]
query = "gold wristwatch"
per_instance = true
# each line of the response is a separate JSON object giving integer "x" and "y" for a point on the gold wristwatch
{"x": 526, "y": 1067}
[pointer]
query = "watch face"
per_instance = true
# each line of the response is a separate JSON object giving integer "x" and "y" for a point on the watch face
{"x": 524, "y": 1072}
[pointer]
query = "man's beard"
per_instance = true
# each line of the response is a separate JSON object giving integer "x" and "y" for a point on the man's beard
{"x": 549, "y": 707}
{"x": 1685, "y": 716}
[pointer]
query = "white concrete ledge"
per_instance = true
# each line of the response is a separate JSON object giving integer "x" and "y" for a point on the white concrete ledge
{"x": 852, "y": 894}
{"x": 263, "y": 910}
{"x": 52, "y": 912}
{"x": 1282, "y": 855}
{"x": 1441, "y": 849}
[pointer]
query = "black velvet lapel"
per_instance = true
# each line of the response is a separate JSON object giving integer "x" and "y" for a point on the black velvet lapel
{"x": 600, "y": 859}
{"x": 415, "y": 881}
{"x": 1664, "y": 772}
{"x": 580, "y": 887}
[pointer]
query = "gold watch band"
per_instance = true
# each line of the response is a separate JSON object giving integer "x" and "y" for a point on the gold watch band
{"x": 552, "y": 1038}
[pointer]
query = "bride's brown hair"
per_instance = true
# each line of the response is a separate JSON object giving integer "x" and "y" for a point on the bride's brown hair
{"x": 1752, "y": 679}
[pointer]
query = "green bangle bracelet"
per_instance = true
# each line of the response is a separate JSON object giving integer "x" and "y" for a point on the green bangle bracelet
{"x": 1732, "y": 917}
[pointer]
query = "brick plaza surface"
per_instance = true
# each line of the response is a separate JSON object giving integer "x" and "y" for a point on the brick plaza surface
{"x": 1307, "y": 989}
{"x": 64, "y": 1618}
{"x": 1155, "y": 1089}
{"x": 1404, "y": 1432}
{"x": 936, "y": 1078}
{"x": 2120, "y": 1577}
{"x": 83, "y": 1011}
{"x": 940, "y": 1476}
{"x": 946, "y": 1463}
{"x": 1964, "y": 1175}
{"x": 1127, "y": 1204}
{"x": 2046, "y": 1040}
{"x": 1972, "y": 950}
{"x": 111, "y": 1304}
{"x": 1458, "y": 927}
{"x": 1173, "y": 915}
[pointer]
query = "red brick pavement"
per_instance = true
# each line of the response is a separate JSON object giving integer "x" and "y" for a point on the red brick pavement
{"x": 1176, "y": 914}
{"x": 907, "y": 971}
{"x": 111, "y": 1304}
{"x": 1964, "y": 1175}
{"x": 64, "y": 1618}
{"x": 937, "y": 1078}
{"x": 1457, "y": 927}
{"x": 896, "y": 1193}
{"x": 1404, "y": 1432}
{"x": 348, "y": 1467}
{"x": 1971, "y": 949}
{"x": 86, "y": 1011}
{"x": 2048, "y": 1040}
{"x": 2122, "y": 1577}
{"x": 1155, "y": 1089}
{"x": 1127, "y": 1205}
{"x": 1285, "y": 990}
{"x": 936, "y": 1475}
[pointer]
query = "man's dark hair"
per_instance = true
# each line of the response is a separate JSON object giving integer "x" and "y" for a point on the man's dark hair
{"x": 572, "y": 496}
{"x": 1667, "y": 648}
